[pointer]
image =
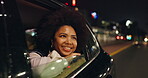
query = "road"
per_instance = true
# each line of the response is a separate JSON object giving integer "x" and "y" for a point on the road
{"x": 130, "y": 62}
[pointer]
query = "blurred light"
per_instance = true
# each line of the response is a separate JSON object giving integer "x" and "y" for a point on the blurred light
{"x": 66, "y": 63}
{"x": 25, "y": 54}
{"x": 58, "y": 61}
{"x": 94, "y": 15}
{"x": 28, "y": 58}
{"x": 145, "y": 39}
{"x": 112, "y": 60}
{"x": 108, "y": 69}
{"x": 68, "y": 66}
{"x": 145, "y": 43}
{"x": 128, "y": 22}
{"x": 52, "y": 68}
{"x": 73, "y": 2}
{"x": 5, "y": 15}
{"x": 129, "y": 37}
{"x": 74, "y": 56}
{"x": 105, "y": 23}
{"x": 22, "y": 73}
{"x": 66, "y": 4}
{"x": 100, "y": 75}
{"x": 117, "y": 32}
{"x": 136, "y": 42}
{"x": 114, "y": 27}
{"x": 117, "y": 37}
{"x": 31, "y": 32}
{"x": 117, "y": 24}
{"x": 102, "y": 22}
{"x": 95, "y": 30}
{"x": 121, "y": 37}
{"x": 2, "y": 2}
{"x": 76, "y": 9}
{"x": 94, "y": 47}
{"x": 9, "y": 76}
{"x": 104, "y": 74}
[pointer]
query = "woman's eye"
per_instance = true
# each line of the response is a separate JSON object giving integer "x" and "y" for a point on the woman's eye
{"x": 74, "y": 38}
{"x": 62, "y": 36}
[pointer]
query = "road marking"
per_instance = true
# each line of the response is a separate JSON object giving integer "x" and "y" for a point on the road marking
{"x": 121, "y": 49}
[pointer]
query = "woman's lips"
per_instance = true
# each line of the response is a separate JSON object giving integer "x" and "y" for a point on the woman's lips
{"x": 67, "y": 49}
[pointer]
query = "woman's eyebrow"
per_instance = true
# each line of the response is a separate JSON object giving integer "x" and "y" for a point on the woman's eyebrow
{"x": 66, "y": 34}
{"x": 62, "y": 34}
{"x": 74, "y": 35}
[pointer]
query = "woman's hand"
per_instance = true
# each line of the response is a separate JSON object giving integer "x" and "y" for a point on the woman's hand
{"x": 73, "y": 54}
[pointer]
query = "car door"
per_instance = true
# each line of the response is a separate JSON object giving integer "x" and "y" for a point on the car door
{"x": 13, "y": 59}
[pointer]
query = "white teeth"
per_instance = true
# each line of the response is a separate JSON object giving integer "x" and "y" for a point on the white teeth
{"x": 67, "y": 48}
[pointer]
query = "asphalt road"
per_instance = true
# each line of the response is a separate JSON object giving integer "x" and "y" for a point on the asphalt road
{"x": 132, "y": 62}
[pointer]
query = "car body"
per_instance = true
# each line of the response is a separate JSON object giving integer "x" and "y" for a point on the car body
{"x": 19, "y": 17}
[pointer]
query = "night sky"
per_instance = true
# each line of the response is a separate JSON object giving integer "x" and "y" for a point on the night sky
{"x": 118, "y": 10}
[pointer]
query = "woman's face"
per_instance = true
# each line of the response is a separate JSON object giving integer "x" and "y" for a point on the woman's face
{"x": 65, "y": 40}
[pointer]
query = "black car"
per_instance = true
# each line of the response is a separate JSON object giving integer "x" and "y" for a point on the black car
{"x": 18, "y": 19}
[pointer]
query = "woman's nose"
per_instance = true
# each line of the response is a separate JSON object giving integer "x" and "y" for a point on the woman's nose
{"x": 69, "y": 41}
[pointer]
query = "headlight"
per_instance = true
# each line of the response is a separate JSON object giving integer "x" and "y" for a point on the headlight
{"x": 145, "y": 39}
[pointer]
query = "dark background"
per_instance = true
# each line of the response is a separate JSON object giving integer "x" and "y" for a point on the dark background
{"x": 119, "y": 10}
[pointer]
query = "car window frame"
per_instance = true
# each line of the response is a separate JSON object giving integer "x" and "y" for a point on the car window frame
{"x": 88, "y": 55}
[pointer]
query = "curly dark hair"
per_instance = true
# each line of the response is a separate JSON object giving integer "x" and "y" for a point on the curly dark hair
{"x": 52, "y": 22}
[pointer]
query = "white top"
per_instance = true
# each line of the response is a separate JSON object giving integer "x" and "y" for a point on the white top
{"x": 37, "y": 60}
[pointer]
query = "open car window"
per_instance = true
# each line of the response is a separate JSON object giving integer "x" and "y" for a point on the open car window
{"x": 63, "y": 67}
{"x": 30, "y": 15}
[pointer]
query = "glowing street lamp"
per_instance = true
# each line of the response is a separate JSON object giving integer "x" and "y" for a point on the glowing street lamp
{"x": 128, "y": 22}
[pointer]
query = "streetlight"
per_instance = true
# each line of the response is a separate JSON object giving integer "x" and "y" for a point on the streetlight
{"x": 128, "y": 22}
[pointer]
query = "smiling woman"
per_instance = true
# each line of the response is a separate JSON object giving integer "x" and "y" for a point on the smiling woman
{"x": 58, "y": 37}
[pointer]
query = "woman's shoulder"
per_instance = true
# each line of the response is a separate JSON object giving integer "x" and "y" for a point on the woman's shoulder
{"x": 35, "y": 54}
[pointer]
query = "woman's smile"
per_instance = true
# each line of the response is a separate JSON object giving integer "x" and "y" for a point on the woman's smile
{"x": 67, "y": 49}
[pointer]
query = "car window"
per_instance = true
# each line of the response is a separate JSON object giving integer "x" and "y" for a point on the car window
{"x": 61, "y": 68}
{"x": 58, "y": 68}
{"x": 93, "y": 44}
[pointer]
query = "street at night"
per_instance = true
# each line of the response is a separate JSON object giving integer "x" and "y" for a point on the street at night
{"x": 73, "y": 39}
{"x": 130, "y": 62}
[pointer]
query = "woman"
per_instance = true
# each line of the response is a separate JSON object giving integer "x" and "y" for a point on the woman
{"x": 60, "y": 35}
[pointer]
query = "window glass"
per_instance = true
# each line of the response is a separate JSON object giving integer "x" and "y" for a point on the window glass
{"x": 92, "y": 45}
{"x": 59, "y": 68}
